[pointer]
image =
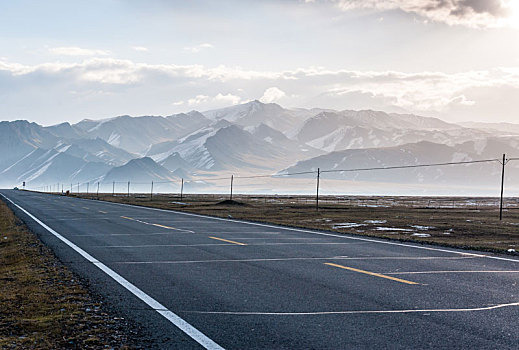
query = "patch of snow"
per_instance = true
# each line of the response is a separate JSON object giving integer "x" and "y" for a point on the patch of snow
{"x": 18, "y": 161}
{"x": 328, "y": 142}
{"x": 423, "y": 228}
{"x": 63, "y": 149}
{"x": 424, "y": 235}
{"x": 268, "y": 139}
{"x": 393, "y": 229}
{"x": 100, "y": 122}
{"x": 347, "y": 225}
{"x": 114, "y": 139}
{"x": 375, "y": 221}
{"x": 39, "y": 172}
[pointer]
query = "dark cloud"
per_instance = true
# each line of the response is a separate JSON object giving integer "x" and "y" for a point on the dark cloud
{"x": 492, "y": 7}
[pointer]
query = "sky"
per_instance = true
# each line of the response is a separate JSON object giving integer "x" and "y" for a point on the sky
{"x": 67, "y": 60}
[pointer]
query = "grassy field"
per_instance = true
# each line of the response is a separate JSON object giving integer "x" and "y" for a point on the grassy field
{"x": 457, "y": 221}
{"x": 43, "y": 305}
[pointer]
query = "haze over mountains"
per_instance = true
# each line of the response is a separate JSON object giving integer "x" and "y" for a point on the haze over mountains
{"x": 254, "y": 138}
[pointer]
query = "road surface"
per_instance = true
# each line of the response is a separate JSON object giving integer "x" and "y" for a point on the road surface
{"x": 198, "y": 282}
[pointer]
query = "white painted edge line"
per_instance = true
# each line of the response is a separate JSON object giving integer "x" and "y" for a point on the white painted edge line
{"x": 320, "y": 233}
{"x": 246, "y": 313}
{"x": 191, "y": 331}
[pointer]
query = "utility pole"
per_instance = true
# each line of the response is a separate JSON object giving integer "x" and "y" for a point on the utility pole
{"x": 232, "y": 179}
{"x": 128, "y": 189}
{"x": 98, "y": 190}
{"x": 113, "y": 189}
{"x": 502, "y": 187}
{"x": 78, "y": 187}
{"x": 151, "y": 193}
{"x": 317, "y": 193}
{"x": 88, "y": 184}
{"x": 182, "y": 189}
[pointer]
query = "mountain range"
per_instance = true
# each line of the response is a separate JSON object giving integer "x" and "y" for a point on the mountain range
{"x": 250, "y": 139}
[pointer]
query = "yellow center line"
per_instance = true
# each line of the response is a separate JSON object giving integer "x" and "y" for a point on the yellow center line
{"x": 371, "y": 273}
{"x": 104, "y": 212}
{"x": 85, "y": 208}
{"x": 125, "y": 217}
{"x": 228, "y": 241}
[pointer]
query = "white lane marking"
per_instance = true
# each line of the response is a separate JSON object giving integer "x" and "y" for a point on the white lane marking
{"x": 246, "y": 313}
{"x": 191, "y": 331}
{"x": 156, "y": 225}
{"x": 287, "y": 259}
{"x": 313, "y": 232}
{"x": 442, "y": 272}
{"x": 209, "y": 244}
{"x": 125, "y": 234}
{"x": 159, "y": 245}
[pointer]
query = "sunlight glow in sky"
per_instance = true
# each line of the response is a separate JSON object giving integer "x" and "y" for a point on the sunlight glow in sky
{"x": 66, "y": 60}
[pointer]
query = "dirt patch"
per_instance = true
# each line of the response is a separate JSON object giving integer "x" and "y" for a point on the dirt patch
{"x": 230, "y": 202}
{"x": 43, "y": 305}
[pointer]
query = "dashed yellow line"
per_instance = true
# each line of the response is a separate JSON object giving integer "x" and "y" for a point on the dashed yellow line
{"x": 371, "y": 273}
{"x": 104, "y": 212}
{"x": 227, "y": 240}
{"x": 125, "y": 217}
{"x": 85, "y": 208}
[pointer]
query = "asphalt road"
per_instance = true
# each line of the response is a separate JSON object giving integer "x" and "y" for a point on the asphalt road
{"x": 239, "y": 285}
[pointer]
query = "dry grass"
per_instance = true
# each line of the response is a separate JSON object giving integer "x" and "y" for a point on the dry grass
{"x": 42, "y": 305}
{"x": 459, "y": 222}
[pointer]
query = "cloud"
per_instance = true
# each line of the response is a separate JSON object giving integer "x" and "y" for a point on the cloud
{"x": 220, "y": 100}
{"x": 471, "y": 13}
{"x": 140, "y": 48}
{"x": 130, "y": 87}
{"x": 228, "y": 99}
{"x": 198, "y": 99}
{"x": 77, "y": 51}
{"x": 272, "y": 94}
{"x": 198, "y": 48}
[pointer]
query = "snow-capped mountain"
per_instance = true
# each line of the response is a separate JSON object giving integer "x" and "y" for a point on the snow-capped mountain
{"x": 136, "y": 135}
{"x": 51, "y": 166}
{"x": 254, "y": 113}
{"x": 142, "y": 170}
{"x": 252, "y": 138}
{"x": 336, "y": 165}
{"x": 222, "y": 146}
{"x": 332, "y": 131}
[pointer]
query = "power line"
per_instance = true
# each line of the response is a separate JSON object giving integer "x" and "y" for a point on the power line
{"x": 411, "y": 166}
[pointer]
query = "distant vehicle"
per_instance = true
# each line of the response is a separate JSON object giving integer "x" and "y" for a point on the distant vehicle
{"x": 16, "y": 188}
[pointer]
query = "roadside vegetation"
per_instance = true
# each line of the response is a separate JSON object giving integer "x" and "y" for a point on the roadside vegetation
{"x": 462, "y": 222}
{"x": 42, "y": 303}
